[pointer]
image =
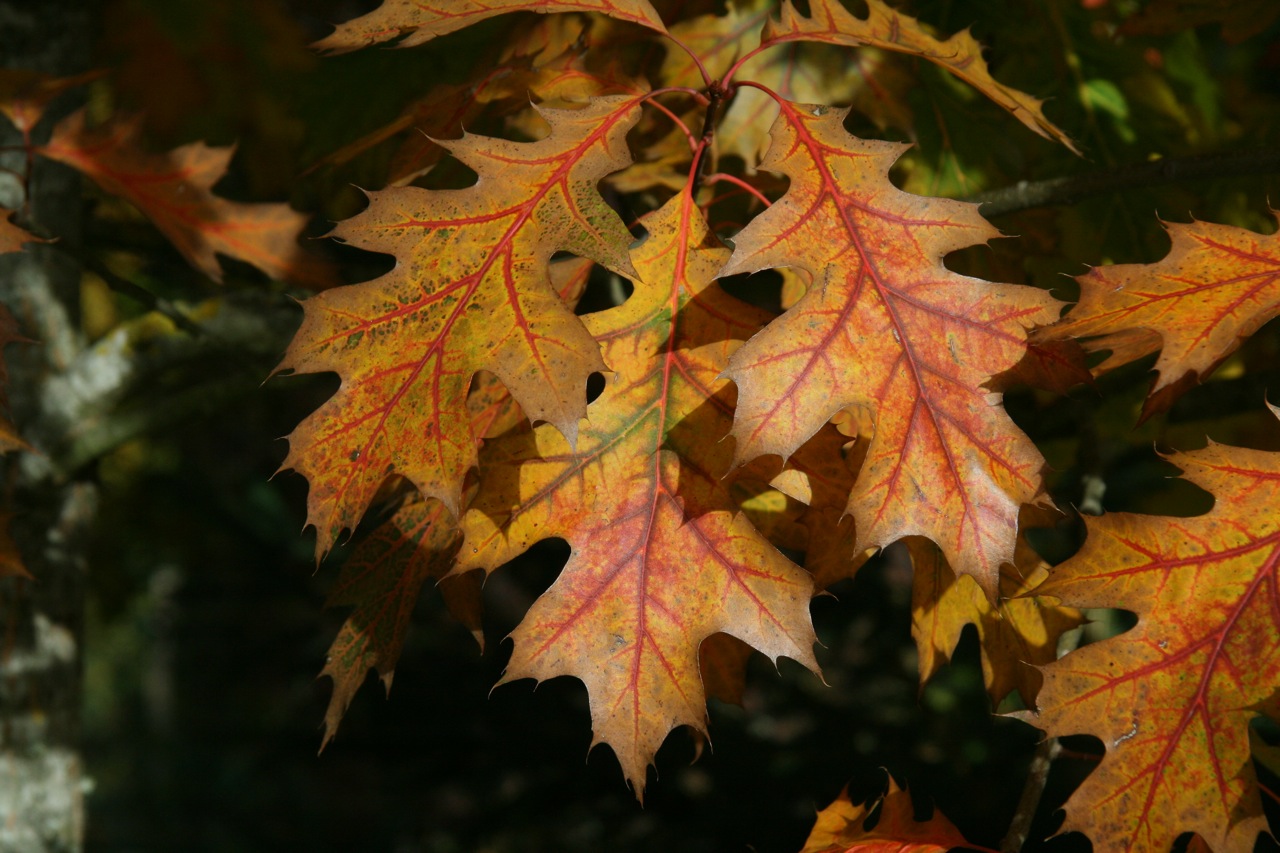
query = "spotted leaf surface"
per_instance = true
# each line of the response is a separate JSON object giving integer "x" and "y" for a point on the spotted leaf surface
{"x": 662, "y": 558}
{"x": 888, "y": 328}
{"x": 470, "y": 291}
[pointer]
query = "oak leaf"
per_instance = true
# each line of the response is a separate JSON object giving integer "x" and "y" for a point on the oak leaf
{"x": 1015, "y": 635}
{"x": 175, "y": 191}
{"x": 1172, "y": 699}
{"x": 887, "y": 327}
{"x": 420, "y": 22}
{"x": 888, "y": 29}
{"x": 842, "y": 827}
{"x": 1217, "y": 286}
{"x": 662, "y": 558}
{"x": 470, "y": 292}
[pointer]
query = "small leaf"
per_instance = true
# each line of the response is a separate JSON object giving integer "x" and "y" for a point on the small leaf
{"x": 889, "y": 29}
{"x": 842, "y": 827}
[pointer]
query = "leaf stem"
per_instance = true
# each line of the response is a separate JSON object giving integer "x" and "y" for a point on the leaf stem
{"x": 734, "y": 179}
{"x": 1037, "y": 776}
{"x": 1026, "y": 195}
{"x": 697, "y": 60}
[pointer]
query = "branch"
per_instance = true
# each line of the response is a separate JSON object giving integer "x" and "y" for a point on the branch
{"x": 1025, "y": 195}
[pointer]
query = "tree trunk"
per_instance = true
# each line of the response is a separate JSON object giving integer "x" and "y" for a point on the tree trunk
{"x": 42, "y": 784}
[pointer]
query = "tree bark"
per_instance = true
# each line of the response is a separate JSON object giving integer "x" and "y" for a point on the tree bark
{"x": 42, "y": 783}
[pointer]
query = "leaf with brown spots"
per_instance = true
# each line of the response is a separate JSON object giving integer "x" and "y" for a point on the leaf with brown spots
{"x": 1173, "y": 698}
{"x": 470, "y": 292}
{"x": 662, "y": 558}
{"x": 1217, "y": 286}
{"x": 888, "y": 328}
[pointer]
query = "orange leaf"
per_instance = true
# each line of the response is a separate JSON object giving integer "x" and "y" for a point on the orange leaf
{"x": 175, "y": 191}
{"x": 662, "y": 559}
{"x": 888, "y": 327}
{"x": 1217, "y": 286}
{"x": 841, "y": 827}
{"x": 470, "y": 292}
{"x": 12, "y": 237}
{"x": 888, "y": 29}
{"x": 24, "y": 95}
{"x": 1172, "y": 699}
{"x": 419, "y": 22}
{"x": 1018, "y": 633}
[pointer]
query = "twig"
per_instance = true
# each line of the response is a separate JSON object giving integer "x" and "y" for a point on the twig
{"x": 1025, "y": 195}
{"x": 1037, "y": 776}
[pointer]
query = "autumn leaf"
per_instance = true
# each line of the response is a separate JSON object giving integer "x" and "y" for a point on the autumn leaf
{"x": 1173, "y": 698}
{"x": 888, "y": 29}
{"x": 384, "y": 575}
{"x": 420, "y": 22}
{"x": 25, "y": 94}
{"x": 175, "y": 191}
{"x": 1217, "y": 286}
{"x": 1015, "y": 635}
{"x": 842, "y": 827}
{"x": 662, "y": 559}
{"x": 13, "y": 237}
{"x": 382, "y": 579}
{"x": 470, "y": 292}
{"x": 553, "y": 70}
{"x": 887, "y": 327}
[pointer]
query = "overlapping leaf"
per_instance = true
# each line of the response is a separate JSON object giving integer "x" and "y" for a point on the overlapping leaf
{"x": 886, "y": 28}
{"x": 887, "y": 327}
{"x": 175, "y": 191}
{"x": 385, "y": 573}
{"x": 842, "y": 827}
{"x": 470, "y": 292}
{"x": 1172, "y": 699}
{"x": 382, "y": 579}
{"x": 1016, "y": 634}
{"x": 420, "y": 22}
{"x": 662, "y": 559}
{"x": 1217, "y": 286}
